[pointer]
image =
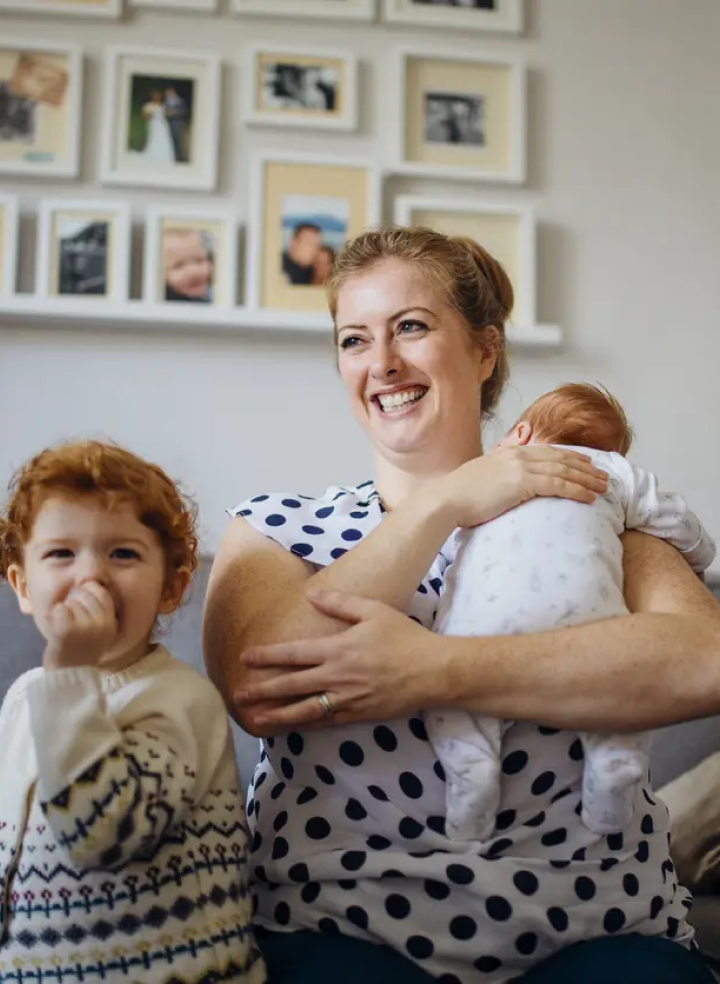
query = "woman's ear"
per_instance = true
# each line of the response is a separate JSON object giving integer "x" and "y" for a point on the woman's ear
{"x": 175, "y": 588}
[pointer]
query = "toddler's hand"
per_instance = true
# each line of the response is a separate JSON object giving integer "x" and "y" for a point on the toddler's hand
{"x": 82, "y": 628}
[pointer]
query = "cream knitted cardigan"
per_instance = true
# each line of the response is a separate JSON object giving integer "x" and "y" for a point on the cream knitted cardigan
{"x": 123, "y": 841}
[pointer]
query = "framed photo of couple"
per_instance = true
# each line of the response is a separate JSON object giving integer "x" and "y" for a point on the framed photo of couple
{"x": 463, "y": 15}
{"x": 40, "y": 94}
{"x": 68, "y": 8}
{"x": 9, "y": 229}
{"x": 305, "y": 209}
{"x": 357, "y": 10}
{"x": 460, "y": 115}
{"x": 506, "y": 231}
{"x": 190, "y": 257}
{"x": 83, "y": 249}
{"x": 162, "y": 111}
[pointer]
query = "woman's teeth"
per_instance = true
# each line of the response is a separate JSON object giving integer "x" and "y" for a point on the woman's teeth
{"x": 390, "y": 401}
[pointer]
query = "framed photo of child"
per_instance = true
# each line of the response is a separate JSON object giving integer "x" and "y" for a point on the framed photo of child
{"x": 301, "y": 87}
{"x": 162, "y": 111}
{"x": 65, "y": 8}
{"x": 190, "y": 257}
{"x": 305, "y": 209}
{"x": 356, "y": 10}
{"x": 504, "y": 16}
{"x": 507, "y": 231}
{"x": 460, "y": 115}
{"x": 40, "y": 92}
{"x": 9, "y": 217}
{"x": 83, "y": 249}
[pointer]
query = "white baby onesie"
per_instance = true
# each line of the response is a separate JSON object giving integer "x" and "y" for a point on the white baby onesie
{"x": 546, "y": 564}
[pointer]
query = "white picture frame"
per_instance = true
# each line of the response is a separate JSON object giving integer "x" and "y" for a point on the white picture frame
{"x": 203, "y": 6}
{"x": 507, "y": 230}
{"x": 138, "y": 150}
{"x": 66, "y": 8}
{"x": 353, "y": 10}
{"x": 287, "y": 187}
{"x": 77, "y": 279}
{"x": 47, "y": 116}
{"x": 506, "y": 16}
{"x": 9, "y": 244}
{"x": 221, "y": 288}
{"x": 431, "y": 81}
{"x": 340, "y": 86}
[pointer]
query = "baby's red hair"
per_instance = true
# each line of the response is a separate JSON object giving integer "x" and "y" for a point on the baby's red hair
{"x": 581, "y": 414}
{"x": 92, "y": 468}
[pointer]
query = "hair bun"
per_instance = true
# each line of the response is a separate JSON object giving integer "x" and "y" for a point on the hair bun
{"x": 493, "y": 272}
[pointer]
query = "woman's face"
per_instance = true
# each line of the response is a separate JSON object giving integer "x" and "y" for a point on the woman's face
{"x": 408, "y": 364}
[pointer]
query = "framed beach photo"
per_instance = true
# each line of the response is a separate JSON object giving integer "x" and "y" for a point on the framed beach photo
{"x": 301, "y": 87}
{"x": 506, "y": 231}
{"x": 305, "y": 209}
{"x": 65, "y": 8}
{"x": 9, "y": 245}
{"x": 161, "y": 112}
{"x": 83, "y": 249}
{"x": 462, "y": 15}
{"x": 357, "y": 10}
{"x": 190, "y": 257}
{"x": 460, "y": 115}
{"x": 40, "y": 95}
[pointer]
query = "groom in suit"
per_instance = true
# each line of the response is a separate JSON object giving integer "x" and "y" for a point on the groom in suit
{"x": 176, "y": 113}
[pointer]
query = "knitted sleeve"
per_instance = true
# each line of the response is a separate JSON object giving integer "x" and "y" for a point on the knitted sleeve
{"x": 112, "y": 788}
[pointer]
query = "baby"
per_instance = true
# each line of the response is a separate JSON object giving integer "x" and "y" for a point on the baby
{"x": 554, "y": 562}
{"x": 189, "y": 265}
{"x": 123, "y": 841}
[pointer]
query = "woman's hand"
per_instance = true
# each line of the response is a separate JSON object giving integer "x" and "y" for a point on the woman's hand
{"x": 486, "y": 487}
{"x": 384, "y": 666}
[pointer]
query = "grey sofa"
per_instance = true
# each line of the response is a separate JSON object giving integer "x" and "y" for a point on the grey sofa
{"x": 675, "y": 750}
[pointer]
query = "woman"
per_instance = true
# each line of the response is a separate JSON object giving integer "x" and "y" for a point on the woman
{"x": 159, "y": 145}
{"x": 348, "y": 815}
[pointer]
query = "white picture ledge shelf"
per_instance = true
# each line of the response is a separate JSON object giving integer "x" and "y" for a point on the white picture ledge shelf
{"x": 26, "y": 310}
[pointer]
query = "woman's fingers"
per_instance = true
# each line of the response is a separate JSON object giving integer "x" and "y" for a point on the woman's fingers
{"x": 303, "y": 713}
{"x": 284, "y": 687}
{"x": 303, "y": 652}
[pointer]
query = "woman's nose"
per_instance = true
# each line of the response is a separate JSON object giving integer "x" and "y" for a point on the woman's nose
{"x": 386, "y": 360}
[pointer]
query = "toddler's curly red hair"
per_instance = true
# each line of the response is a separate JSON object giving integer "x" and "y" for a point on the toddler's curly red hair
{"x": 93, "y": 468}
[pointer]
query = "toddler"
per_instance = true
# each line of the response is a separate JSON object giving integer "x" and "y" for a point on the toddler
{"x": 188, "y": 258}
{"x": 123, "y": 842}
{"x": 548, "y": 563}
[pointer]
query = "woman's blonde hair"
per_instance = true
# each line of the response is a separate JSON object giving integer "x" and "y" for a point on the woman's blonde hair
{"x": 474, "y": 283}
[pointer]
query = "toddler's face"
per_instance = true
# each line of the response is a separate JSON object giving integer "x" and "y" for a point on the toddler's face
{"x": 188, "y": 268}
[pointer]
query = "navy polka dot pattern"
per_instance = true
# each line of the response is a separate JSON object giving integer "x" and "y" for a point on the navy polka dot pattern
{"x": 349, "y": 824}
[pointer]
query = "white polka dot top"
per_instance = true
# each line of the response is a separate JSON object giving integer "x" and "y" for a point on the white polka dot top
{"x": 349, "y": 827}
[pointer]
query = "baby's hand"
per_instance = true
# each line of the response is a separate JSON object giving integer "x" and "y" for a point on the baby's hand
{"x": 81, "y": 629}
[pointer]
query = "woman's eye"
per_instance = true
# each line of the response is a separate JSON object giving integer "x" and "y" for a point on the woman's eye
{"x": 408, "y": 326}
{"x": 350, "y": 341}
{"x": 125, "y": 553}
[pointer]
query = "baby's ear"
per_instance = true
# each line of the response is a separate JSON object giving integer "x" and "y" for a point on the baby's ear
{"x": 18, "y": 582}
{"x": 520, "y": 435}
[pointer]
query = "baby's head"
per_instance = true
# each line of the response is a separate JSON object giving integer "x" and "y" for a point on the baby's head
{"x": 85, "y": 512}
{"x": 188, "y": 262}
{"x": 576, "y": 413}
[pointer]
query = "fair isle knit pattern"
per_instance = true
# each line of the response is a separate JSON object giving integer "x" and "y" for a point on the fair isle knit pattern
{"x": 123, "y": 840}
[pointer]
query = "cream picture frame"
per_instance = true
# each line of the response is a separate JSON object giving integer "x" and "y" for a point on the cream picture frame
{"x": 505, "y": 16}
{"x": 9, "y": 244}
{"x": 354, "y": 10}
{"x": 66, "y": 8}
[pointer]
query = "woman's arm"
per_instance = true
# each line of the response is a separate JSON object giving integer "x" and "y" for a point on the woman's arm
{"x": 639, "y": 671}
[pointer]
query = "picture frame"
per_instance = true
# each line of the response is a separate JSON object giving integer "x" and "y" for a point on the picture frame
{"x": 314, "y": 88}
{"x": 460, "y": 115}
{"x": 66, "y": 8}
{"x": 507, "y": 231}
{"x": 9, "y": 244}
{"x": 83, "y": 249}
{"x": 304, "y": 208}
{"x": 501, "y": 16}
{"x": 41, "y": 85}
{"x": 190, "y": 257}
{"x": 203, "y": 6}
{"x": 354, "y": 10}
{"x": 162, "y": 113}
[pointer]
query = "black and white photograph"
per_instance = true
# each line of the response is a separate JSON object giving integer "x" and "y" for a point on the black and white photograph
{"x": 467, "y": 4}
{"x": 17, "y": 116}
{"x": 288, "y": 85}
{"x": 454, "y": 118}
{"x": 82, "y": 256}
{"x": 483, "y": 16}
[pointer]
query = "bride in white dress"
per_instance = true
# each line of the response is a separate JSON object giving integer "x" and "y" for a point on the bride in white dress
{"x": 159, "y": 145}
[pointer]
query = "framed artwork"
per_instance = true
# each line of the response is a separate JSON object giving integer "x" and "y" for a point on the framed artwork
{"x": 301, "y": 87}
{"x": 40, "y": 95}
{"x": 83, "y": 249}
{"x": 66, "y": 8}
{"x": 190, "y": 257}
{"x": 460, "y": 115}
{"x": 461, "y": 15}
{"x": 305, "y": 208}
{"x": 8, "y": 244}
{"x": 506, "y": 231}
{"x": 202, "y": 5}
{"x": 161, "y": 112}
{"x": 357, "y": 10}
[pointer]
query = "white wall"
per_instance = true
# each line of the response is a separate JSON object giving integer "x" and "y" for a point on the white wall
{"x": 624, "y": 150}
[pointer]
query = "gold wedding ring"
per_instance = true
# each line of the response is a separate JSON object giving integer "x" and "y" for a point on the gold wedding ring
{"x": 326, "y": 706}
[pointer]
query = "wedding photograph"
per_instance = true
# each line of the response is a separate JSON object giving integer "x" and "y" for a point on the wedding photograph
{"x": 452, "y": 118}
{"x": 314, "y": 227}
{"x": 82, "y": 256}
{"x": 39, "y": 108}
{"x": 161, "y": 119}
